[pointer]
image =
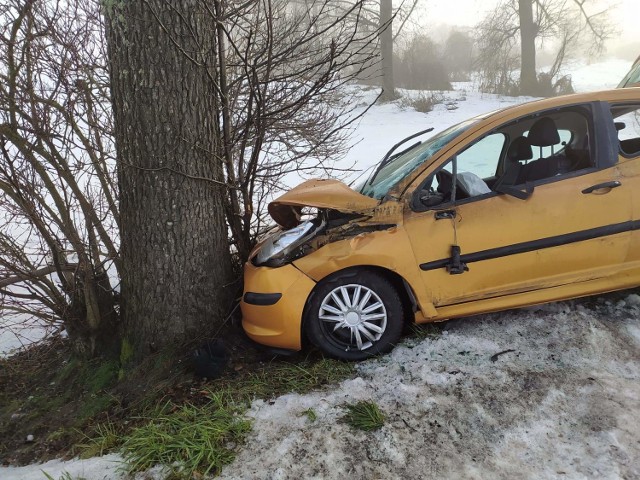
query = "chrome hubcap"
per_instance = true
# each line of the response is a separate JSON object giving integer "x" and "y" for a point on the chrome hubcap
{"x": 354, "y": 316}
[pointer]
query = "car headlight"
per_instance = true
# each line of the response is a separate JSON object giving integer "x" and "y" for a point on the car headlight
{"x": 280, "y": 247}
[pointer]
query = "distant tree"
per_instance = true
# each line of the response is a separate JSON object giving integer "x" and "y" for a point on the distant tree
{"x": 527, "y": 24}
{"x": 420, "y": 65}
{"x": 386, "y": 49}
{"x": 458, "y": 55}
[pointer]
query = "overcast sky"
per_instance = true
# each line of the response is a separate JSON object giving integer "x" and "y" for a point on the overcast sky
{"x": 625, "y": 13}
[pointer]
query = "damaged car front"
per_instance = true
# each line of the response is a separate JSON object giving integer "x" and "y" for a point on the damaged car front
{"x": 349, "y": 252}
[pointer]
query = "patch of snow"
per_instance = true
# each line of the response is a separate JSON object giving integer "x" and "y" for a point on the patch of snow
{"x": 589, "y": 77}
{"x": 19, "y": 331}
{"x": 107, "y": 467}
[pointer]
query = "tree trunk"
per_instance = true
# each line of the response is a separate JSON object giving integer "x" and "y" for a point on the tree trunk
{"x": 386, "y": 50}
{"x": 175, "y": 259}
{"x": 528, "y": 77}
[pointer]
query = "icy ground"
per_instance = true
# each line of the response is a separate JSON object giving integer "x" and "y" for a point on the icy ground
{"x": 561, "y": 401}
{"x": 565, "y": 403}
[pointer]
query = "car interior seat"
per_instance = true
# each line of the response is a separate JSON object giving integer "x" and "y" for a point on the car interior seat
{"x": 519, "y": 151}
{"x": 544, "y": 133}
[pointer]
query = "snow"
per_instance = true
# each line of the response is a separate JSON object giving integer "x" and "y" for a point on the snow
{"x": 588, "y": 77}
{"x": 565, "y": 403}
{"x": 99, "y": 468}
{"x": 19, "y": 331}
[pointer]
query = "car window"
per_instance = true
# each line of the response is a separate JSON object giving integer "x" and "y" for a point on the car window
{"x": 474, "y": 166}
{"x": 482, "y": 157}
{"x": 526, "y": 151}
{"x": 632, "y": 77}
{"x": 627, "y": 122}
{"x": 389, "y": 174}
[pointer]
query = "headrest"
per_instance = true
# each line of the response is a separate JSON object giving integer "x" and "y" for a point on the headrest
{"x": 520, "y": 149}
{"x": 544, "y": 133}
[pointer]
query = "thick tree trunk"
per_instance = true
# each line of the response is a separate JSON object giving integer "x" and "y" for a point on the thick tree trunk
{"x": 175, "y": 257}
{"x": 528, "y": 77}
{"x": 386, "y": 50}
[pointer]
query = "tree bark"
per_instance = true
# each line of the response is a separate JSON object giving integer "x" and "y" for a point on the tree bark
{"x": 528, "y": 77}
{"x": 176, "y": 266}
{"x": 386, "y": 50}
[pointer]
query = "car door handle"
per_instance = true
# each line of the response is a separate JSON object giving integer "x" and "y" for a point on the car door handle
{"x": 601, "y": 186}
{"x": 443, "y": 214}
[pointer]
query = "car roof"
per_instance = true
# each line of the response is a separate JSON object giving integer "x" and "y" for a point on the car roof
{"x": 614, "y": 95}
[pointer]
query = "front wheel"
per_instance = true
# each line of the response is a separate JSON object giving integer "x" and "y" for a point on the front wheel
{"x": 354, "y": 315}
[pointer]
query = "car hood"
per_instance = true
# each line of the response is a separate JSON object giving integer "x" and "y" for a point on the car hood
{"x": 332, "y": 194}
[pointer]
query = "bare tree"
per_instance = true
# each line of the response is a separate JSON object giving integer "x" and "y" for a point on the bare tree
{"x": 282, "y": 86}
{"x": 529, "y": 24}
{"x": 58, "y": 210}
{"x": 216, "y": 104}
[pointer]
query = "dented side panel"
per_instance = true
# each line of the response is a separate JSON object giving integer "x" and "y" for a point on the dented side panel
{"x": 389, "y": 248}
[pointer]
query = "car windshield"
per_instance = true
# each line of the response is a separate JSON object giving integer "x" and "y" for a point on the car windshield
{"x": 398, "y": 168}
{"x": 633, "y": 76}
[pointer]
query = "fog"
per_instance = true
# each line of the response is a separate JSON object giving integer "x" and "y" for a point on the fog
{"x": 442, "y": 15}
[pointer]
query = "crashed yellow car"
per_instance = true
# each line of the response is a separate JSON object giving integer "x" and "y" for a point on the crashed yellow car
{"x": 526, "y": 205}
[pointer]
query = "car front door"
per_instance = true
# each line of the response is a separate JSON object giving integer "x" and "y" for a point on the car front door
{"x": 573, "y": 227}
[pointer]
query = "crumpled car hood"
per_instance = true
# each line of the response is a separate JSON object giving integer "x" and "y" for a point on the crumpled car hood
{"x": 333, "y": 194}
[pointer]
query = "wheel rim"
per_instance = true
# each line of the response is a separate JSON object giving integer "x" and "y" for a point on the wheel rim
{"x": 353, "y": 316}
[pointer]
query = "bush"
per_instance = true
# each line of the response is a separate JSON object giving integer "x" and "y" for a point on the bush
{"x": 424, "y": 102}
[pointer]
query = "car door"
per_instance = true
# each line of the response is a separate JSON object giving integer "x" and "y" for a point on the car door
{"x": 626, "y": 116}
{"x": 571, "y": 228}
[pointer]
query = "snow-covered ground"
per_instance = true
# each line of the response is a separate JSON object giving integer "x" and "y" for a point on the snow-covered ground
{"x": 565, "y": 403}
{"x": 561, "y": 401}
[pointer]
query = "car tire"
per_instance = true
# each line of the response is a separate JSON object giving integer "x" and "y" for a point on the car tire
{"x": 354, "y": 314}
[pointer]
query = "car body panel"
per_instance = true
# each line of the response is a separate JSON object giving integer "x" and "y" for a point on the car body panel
{"x": 277, "y": 325}
{"x": 515, "y": 223}
{"x": 285, "y": 210}
{"x": 558, "y": 243}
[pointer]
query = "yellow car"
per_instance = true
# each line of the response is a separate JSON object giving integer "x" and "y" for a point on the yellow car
{"x": 530, "y": 204}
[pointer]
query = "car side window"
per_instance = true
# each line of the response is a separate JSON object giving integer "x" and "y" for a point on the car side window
{"x": 627, "y": 123}
{"x": 527, "y": 151}
{"x": 474, "y": 167}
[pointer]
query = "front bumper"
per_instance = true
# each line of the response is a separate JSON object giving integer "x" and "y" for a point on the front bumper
{"x": 272, "y": 319}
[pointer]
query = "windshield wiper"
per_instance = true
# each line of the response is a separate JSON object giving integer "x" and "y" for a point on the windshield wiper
{"x": 388, "y": 158}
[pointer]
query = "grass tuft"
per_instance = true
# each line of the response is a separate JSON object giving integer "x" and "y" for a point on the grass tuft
{"x": 426, "y": 330}
{"x": 104, "y": 438}
{"x": 280, "y": 378}
{"x": 364, "y": 415}
{"x": 191, "y": 440}
{"x": 310, "y": 413}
